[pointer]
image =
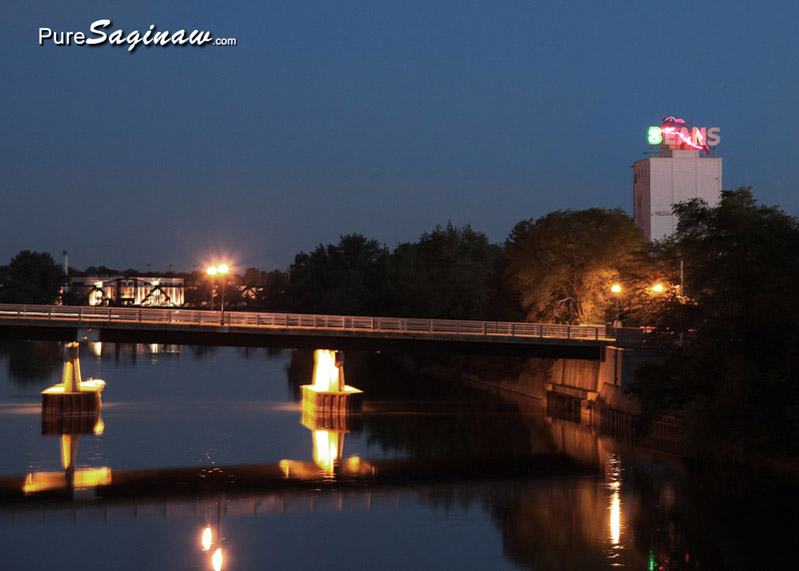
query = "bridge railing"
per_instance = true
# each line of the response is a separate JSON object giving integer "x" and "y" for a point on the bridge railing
{"x": 294, "y": 321}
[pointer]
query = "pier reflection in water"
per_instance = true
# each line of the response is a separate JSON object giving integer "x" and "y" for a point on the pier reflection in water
{"x": 70, "y": 409}
{"x": 330, "y": 409}
{"x": 469, "y": 479}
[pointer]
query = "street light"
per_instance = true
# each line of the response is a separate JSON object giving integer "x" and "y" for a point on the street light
{"x": 213, "y": 271}
{"x": 616, "y": 289}
{"x": 658, "y": 288}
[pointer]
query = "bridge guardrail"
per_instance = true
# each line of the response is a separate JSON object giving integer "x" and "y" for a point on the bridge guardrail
{"x": 96, "y": 315}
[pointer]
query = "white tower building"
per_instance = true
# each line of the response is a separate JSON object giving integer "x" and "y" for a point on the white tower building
{"x": 680, "y": 170}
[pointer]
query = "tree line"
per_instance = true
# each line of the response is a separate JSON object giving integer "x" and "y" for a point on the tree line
{"x": 584, "y": 266}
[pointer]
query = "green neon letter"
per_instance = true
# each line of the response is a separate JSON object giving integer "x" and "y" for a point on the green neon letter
{"x": 655, "y": 136}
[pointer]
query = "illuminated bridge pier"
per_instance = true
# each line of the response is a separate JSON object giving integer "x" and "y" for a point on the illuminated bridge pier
{"x": 329, "y": 394}
{"x": 70, "y": 409}
{"x": 73, "y": 396}
{"x": 330, "y": 409}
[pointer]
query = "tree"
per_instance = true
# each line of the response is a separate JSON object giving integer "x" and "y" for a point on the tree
{"x": 275, "y": 292}
{"x": 449, "y": 273}
{"x": 267, "y": 290}
{"x": 31, "y": 277}
{"x": 563, "y": 265}
{"x": 342, "y": 279}
{"x": 732, "y": 366}
{"x": 443, "y": 275}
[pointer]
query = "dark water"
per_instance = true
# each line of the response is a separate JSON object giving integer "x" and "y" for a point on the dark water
{"x": 196, "y": 438}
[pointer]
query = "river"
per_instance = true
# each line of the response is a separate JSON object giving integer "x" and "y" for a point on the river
{"x": 202, "y": 459}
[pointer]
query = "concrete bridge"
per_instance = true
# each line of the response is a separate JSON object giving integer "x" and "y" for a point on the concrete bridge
{"x": 256, "y": 329}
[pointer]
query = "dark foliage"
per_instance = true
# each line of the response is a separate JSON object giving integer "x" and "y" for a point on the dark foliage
{"x": 734, "y": 343}
{"x": 31, "y": 277}
{"x": 443, "y": 275}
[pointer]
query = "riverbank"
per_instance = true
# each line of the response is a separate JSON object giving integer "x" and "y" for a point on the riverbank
{"x": 592, "y": 394}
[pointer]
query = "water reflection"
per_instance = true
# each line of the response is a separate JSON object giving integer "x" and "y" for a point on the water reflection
{"x": 463, "y": 472}
{"x": 96, "y": 348}
{"x": 613, "y": 475}
{"x": 69, "y": 428}
{"x": 70, "y": 409}
{"x": 330, "y": 409}
{"x": 327, "y": 443}
{"x": 211, "y": 541}
{"x": 32, "y": 362}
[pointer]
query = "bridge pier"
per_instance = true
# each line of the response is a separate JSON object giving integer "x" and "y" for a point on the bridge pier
{"x": 329, "y": 394}
{"x": 330, "y": 409}
{"x": 73, "y": 396}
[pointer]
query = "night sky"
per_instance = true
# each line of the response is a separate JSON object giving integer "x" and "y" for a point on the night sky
{"x": 381, "y": 118}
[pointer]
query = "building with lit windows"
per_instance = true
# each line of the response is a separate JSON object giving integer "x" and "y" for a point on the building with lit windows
{"x": 682, "y": 165}
{"x": 121, "y": 290}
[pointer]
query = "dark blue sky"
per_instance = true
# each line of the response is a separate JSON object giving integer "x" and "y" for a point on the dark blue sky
{"x": 359, "y": 116}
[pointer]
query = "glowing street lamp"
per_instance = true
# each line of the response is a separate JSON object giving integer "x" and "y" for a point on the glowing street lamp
{"x": 213, "y": 271}
{"x": 658, "y": 288}
{"x": 616, "y": 290}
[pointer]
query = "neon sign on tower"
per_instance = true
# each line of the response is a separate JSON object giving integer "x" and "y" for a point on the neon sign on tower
{"x": 676, "y": 136}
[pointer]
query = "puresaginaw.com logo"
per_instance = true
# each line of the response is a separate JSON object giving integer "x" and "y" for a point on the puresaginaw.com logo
{"x": 101, "y": 32}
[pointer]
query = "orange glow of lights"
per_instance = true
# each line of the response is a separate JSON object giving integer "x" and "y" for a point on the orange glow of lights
{"x": 69, "y": 449}
{"x": 217, "y": 559}
{"x": 614, "y": 473}
{"x": 89, "y": 385}
{"x": 658, "y": 288}
{"x": 40, "y": 481}
{"x": 615, "y": 517}
{"x": 92, "y": 477}
{"x": 615, "y": 288}
{"x": 207, "y": 538}
{"x": 99, "y": 427}
{"x": 221, "y": 269}
{"x": 327, "y": 448}
{"x": 88, "y": 478}
{"x": 327, "y": 377}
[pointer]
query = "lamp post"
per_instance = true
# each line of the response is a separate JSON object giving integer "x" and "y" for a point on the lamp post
{"x": 616, "y": 289}
{"x": 213, "y": 271}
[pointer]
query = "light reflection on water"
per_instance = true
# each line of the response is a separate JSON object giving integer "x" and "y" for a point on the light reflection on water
{"x": 231, "y": 419}
{"x": 614, "y": 483}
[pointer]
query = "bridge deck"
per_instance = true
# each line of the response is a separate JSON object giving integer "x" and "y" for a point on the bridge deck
{"x": 158, "y": 325}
